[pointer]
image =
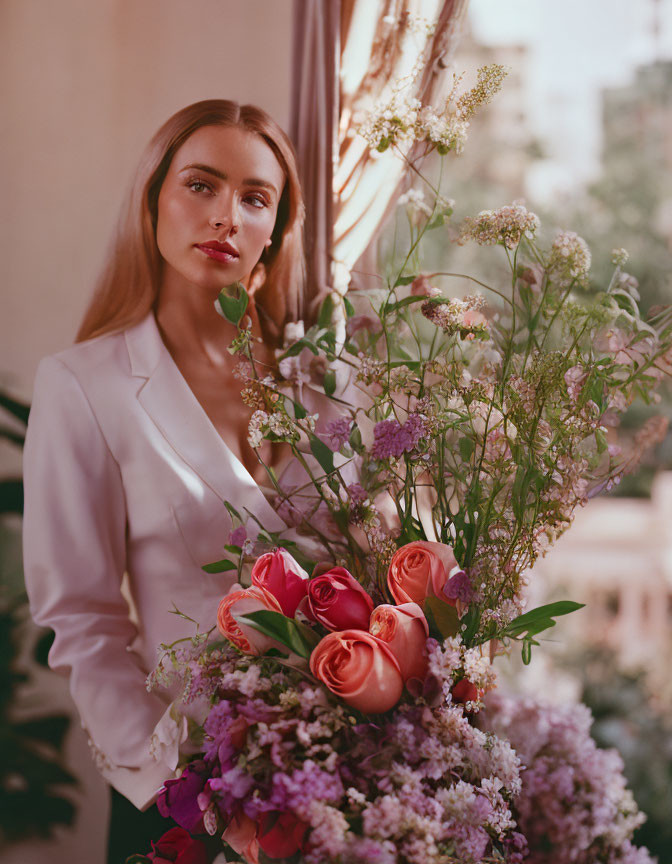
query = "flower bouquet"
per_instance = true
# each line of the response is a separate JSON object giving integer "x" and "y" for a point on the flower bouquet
{"x": 341, "y": 691}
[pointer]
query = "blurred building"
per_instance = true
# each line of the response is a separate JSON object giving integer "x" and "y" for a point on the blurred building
{"x": 617, "y": 559}
{"x": 637, "y": 123}
{"x": 500, "y": 139}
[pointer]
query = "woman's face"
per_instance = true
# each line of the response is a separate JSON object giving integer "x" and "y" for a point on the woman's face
{"x": 217, "y": 207}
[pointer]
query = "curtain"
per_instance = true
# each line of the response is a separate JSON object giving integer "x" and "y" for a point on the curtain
{"x": 348, "y": 55}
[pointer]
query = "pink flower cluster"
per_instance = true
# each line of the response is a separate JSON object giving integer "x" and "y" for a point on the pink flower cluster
{"x": 574, "y": 798}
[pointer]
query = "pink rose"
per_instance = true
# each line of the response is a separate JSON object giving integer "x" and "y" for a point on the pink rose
{"x": 242, "y": 602}
{"x": 419, "y": 570}
{"x": 280, "y": 574}
{"x": 358, "y": 668}
{"x": 404, "y": 630}
{"x": 337, "y": 601}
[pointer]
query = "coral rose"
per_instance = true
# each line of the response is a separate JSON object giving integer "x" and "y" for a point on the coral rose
{"x": 404, "y": 630}
{"x": 419, "y": 570}
{"x": 242, "y": 602}
{"x": 284, "y": 577}
{"x": 360, "y": 669}
{"x": 337, "y": 601}
{"x": 280, "y": 834}
{"x": 241, "y": 835}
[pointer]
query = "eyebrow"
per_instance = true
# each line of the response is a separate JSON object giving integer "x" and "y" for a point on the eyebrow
{"x": 248, "y": 181}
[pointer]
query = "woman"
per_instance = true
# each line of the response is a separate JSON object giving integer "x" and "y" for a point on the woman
{"x": 137, "y": 433}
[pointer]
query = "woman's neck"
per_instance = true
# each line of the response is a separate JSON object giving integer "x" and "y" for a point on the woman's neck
{"x": 189, "y": 323}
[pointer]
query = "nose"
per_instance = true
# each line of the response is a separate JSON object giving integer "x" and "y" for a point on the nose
{"x": 224, "y": 215}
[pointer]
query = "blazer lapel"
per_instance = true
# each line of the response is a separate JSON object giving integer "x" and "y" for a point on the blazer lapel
{"x": 168, "y": 400}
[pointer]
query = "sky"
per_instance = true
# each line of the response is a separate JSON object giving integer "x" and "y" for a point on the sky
{"x": 576, "y": 48}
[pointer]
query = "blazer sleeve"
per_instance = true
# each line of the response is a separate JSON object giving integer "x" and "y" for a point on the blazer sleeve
{"x": 74, "y": 543}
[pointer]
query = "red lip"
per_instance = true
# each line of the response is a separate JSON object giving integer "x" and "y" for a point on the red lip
{"x": 218, "y": 251}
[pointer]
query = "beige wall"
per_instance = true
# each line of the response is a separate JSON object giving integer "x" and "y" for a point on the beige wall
{"x": 85, "y": 84}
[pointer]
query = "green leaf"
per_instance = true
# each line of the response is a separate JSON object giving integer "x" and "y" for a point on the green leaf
{"x": 404, "y": 280}
{"x": 466, "y": 448}
{"x": 298, "y": 637}
{"x": 234, "y": 550}
{"x": 219, "y": 566}
{"x": 326, "y": 312}
{"x": 441, "y": 616}
{"x": 299, "y": 411}
{"x": 436, "y": 222}
{"x": 298, "y": 347}
{"x": 322, "y": 453}
{"x": 349, "y": 308}
{"x": 526, "y": 651}
{"x": 401, "y": 304}
{"x": 232, "y": 510}
{"x": 540, "y": 619}
{"x": 233, "y": 302}
{"x": 329, "y": 382}
{"x": 471, "y": 621}
{"x": 601, "y": 441}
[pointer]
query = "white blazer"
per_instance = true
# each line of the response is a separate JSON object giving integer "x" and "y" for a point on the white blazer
{"x": 124, "y": 472}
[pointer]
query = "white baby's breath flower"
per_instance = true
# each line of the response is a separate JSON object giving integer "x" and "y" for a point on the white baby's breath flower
{"x": 570, "y": 259}
{"x": 506, "y": 225}
{"x": 620, "y": 257}
{"x": 255, "y": 434}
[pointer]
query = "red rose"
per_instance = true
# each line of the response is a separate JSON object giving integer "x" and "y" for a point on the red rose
{"x": 338, "y": 601}
{"x": 465, "y": 691}
{"x": 283, "y": 577}
{"x": 280, "y": 834}
{"x": 177, "y": 846}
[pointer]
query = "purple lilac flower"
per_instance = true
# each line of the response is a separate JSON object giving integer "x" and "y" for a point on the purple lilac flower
{"x": 391, "y": 438}
{"x": 231, "y": 788}
{"x": 216, "y": 728}
{"x": 238, "y": 536}
{"x": 357, "y": 493}
{"x": 337, "y": 432}
{"x": 459, "y": 587}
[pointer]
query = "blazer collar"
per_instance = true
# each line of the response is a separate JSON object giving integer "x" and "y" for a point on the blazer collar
{"x": 169, "y": 401}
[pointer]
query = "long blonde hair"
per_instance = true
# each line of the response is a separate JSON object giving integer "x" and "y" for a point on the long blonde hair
{"x": 128, "y": 286}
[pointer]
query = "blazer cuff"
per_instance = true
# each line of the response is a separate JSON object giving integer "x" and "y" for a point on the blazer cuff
{"x": 143, "y": 784}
